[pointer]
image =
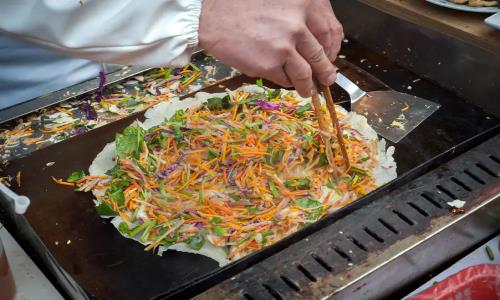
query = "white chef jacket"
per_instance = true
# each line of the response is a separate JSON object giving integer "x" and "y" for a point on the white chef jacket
{"x": 39, "y": 38}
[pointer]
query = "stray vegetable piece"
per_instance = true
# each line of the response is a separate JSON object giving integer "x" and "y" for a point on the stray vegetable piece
{"x": 76, "y": 176}
{"x": 490, "y": 253}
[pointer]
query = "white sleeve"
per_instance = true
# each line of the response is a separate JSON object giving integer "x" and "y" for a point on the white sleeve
{"x": 135, "y": 32}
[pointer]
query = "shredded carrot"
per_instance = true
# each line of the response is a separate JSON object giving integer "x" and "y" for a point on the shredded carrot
{"x": 190, "y": 80}
{"x": 64, "y": 110}
{"x": 31, "y": 141}
{"x": 62, "y": 182}
{"x": 18, "y": 178}
{"x": 290, "y": 98}
{"x": 57, "y": 129}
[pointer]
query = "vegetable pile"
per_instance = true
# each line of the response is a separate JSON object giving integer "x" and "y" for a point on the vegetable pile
{"x": 241, "y": 172}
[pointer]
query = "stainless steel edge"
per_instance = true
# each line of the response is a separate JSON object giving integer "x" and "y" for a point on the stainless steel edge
{"x": 71, "y": 92}
{"x": 354, "y": 91}
{"x": 118, "y": 73}
{"x": 417, "y": 255}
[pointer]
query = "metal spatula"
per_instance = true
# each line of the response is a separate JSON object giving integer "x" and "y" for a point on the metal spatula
{"x": 392, "y": 114}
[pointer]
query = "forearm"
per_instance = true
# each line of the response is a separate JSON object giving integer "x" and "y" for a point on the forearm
{"x": 151, "y": 33}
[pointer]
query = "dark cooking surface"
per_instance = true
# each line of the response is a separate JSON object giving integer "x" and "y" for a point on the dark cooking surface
{"x": 109, "y": 266}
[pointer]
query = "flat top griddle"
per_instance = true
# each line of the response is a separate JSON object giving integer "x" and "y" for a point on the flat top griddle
{"x": 108, "y": 266}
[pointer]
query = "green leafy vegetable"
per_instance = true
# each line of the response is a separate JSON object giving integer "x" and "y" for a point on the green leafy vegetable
{"x": 197, "y": 241}
{"x": 272, "y": 94}
{"x": 274, "y": 190}
{"x": 217, "y": 103}
{"x": 218, "y": 230}
{"x": 255, "y": 126}
{"x": 298, "y": 184}
{"x": 363, "y": 159}
{"x": 356, "y": 178}
{"x": 75, "y": 176}
{"x": 178, "y": 117}
{"x": 265, "y": 235}
{"x": 120, "y": 184}
{"x": 165, "y": 74}
{"x": 216, "y": 220}
{"x": 302, "y": 109}
{"x": 359, "y": 171}
{"x": 276, "y": 156}
{"x": 314, "y": 207}
{"x": 139, "y": 228}
{"x": 235, "y": 197}
{"x": 247, "y": 238}
{"x": 147, "y": 231}
{"x": 323, "y": 160}
{"x": 176, "y": 127}
{"x": 251, "y": 99}
{"x": 309, "y": 140}
{"x": 117, "y": 196}
{"x": 129, "y": 143}
{"x": 123, "y": 228}
{"x": 212, "y": 154}
{"x": 251, "y": 209}
{"x": 266, "y": 137}
{"x": 259, "y": 82}
{"x": 177, "y": 121}
{"x": 307, "y": 203}
{"x": 115, "y": 191}
{"x": 104, "y": 210}
{"x": 169, "y": 239}
{"x": 114, "y": 171}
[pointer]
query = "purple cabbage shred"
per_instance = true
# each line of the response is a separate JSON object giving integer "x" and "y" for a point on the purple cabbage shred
{"x": 168, "y": 131}
{"x": 89, "y": 111}
{"x": 168, "y": 171}
{"x": 244, "y": 191}
{"x": 267, "y": 105}
{"x": 79, "y": 131}
{"x": 102, "y": 82}
{"x": 149, "y": 136}
{"x": 198, "y": 224}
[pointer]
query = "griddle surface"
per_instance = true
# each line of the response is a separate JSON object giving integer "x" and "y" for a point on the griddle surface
{"x": 108, "y": 266}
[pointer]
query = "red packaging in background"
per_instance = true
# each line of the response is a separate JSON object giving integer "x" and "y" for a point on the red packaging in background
{"x": 481, "y": 282}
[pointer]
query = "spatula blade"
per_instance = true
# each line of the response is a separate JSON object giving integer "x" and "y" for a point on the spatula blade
{"x": 393, "y": 114}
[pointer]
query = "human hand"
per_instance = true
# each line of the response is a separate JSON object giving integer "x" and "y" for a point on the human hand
{"x": 287, "y": 42}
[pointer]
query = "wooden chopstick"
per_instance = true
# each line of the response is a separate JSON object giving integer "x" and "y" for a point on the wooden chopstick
{"x": 323, "y": 128}
{"x": 335, "y": 121}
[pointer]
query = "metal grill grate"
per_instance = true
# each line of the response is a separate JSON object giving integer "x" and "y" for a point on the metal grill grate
{"x": 299, "y": 270}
